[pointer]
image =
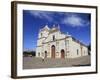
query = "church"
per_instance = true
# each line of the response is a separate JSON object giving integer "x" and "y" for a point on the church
{"x": 52, "y": 43}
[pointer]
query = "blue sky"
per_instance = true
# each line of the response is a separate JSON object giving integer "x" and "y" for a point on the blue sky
{"x": 76, "y": 24}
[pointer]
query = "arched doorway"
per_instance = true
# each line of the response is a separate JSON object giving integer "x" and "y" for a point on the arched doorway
{"x": 45, "y": 54}
{"x": 52, "y": 51}
{"x": 62, "y": 53}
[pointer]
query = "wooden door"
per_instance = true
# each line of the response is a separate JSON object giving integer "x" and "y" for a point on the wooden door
{"x": 52, "y": 51}
{"x": 62, "y": 53}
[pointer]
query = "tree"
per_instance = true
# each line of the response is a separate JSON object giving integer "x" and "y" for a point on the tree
{"x": 29, "y": 53}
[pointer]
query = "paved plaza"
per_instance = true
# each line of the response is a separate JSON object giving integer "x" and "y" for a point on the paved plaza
{"x": 36, "y": 63}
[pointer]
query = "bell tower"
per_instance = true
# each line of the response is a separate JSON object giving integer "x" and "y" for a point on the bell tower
{"x": 42, "y": 35}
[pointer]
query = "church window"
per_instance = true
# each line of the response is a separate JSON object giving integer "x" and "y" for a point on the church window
{"x": 77, "y": 51}
{"x": 53, "y": 37}
{"x": 67, "y": 42}
{"x": 41, "y": 34}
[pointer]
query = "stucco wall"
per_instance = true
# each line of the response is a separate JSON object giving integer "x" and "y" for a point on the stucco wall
{"x": 76, "y": 51}
{"x": 71, "y": 47}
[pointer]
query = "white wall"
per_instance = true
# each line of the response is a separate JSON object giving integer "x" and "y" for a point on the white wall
{"x": 74, "y": 46}
{"x": 5, "y": 43}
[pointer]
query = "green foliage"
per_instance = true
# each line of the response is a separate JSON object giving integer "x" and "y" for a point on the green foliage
{"x": 29, "y": 53}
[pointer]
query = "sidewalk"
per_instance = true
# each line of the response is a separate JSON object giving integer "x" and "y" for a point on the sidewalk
{"x": 35, "y": 63}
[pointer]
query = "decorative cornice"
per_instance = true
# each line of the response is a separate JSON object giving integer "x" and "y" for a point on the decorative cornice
{"x": 55, "y": 40}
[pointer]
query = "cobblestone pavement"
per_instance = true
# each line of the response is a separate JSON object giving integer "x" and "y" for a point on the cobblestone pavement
{"x": 35, "y": 63}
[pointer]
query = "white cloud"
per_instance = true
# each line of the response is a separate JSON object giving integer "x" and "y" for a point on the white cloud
{"x": 42, "y": 15}
{"x": 75, "y": 21}
{"x": 70, "y": 18}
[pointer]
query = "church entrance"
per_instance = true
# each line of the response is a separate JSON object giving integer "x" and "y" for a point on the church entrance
{"x": 52, "y": 51}
{"x": 62, "y": 53}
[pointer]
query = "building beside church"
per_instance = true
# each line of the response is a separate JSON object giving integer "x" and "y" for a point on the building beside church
{"x": 52, "y": 43}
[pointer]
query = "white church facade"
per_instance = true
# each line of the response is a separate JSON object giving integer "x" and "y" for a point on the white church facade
{"x": 52, "y": 43}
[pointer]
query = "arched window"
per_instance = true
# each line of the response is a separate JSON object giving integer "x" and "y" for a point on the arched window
{"x": 53, "y": 37}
